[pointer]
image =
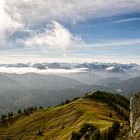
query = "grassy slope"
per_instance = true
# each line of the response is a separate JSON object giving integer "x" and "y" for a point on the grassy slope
{"x": 58, "y": 123}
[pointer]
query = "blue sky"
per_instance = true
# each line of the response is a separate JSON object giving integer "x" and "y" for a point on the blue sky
{"x": 70, "y": 30}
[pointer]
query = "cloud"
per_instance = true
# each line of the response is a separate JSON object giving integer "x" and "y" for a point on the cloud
{"x": 68, "y": 10}
{"x": 31, "y": 13}
{"x": 55, "y": 37}
{"x": 127, "y": 20}
{"x": 115, "y": 43}
{"x": 28, "y": 15}
{"x": 7, "y": 25}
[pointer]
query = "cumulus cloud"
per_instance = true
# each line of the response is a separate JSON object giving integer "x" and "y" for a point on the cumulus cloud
{"x": 55, "y": 37}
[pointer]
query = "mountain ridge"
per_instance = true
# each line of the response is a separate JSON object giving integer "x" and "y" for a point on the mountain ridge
{"x": 60, "y": 121}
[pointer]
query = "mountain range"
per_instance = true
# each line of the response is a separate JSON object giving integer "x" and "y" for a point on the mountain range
{"x": 21, "y": 90}
{"x": 27, "y": 84}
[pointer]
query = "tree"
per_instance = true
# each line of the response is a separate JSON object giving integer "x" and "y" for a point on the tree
{"x": 116, "y": 127}
{"x": 10, "y": 113}
{"x": 110, "y": 134}
{"x": 3, "y": 119}
{"x": 75, "y": 136}
{"x": 110, "y": 115}
{"x": 19, "y": 111}
{"x": 40, "y": 107}
{"x": 113, "y": 131}
{"x": 96, "y": 135}
{"x": 35, "y": 108}
{"x": 40, "y": 132}
{"x": 104, "y": 136}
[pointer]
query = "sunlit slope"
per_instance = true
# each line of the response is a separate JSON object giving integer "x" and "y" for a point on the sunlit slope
{"x": 57, "y": 123}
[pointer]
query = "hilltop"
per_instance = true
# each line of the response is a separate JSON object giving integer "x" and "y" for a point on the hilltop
{"x": 97, "y": 109}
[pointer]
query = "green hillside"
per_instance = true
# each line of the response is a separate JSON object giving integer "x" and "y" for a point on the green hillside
{"x": 58, "y": 123}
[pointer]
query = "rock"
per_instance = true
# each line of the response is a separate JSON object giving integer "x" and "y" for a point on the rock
{"x": 135, "y": 117}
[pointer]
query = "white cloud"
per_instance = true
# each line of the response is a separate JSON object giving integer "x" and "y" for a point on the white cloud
{"x": 70, "y": 10}
{"x": 111, "y": 43}
{"x": 127, "y": 20}
{"x": 33, "y": 12}
{"x": 55, "y": 37}
{"x": 7, "y": 25}
{"x": 45, "y": 71}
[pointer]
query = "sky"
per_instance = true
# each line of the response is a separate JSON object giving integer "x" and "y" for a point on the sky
{"x": 70, "y": 31}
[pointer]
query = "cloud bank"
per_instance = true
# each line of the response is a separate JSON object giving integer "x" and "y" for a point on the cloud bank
{"x": 48, "y": 68}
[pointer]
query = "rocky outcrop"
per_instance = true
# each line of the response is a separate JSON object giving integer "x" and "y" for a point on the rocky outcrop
{"x": 135, "y": 117}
